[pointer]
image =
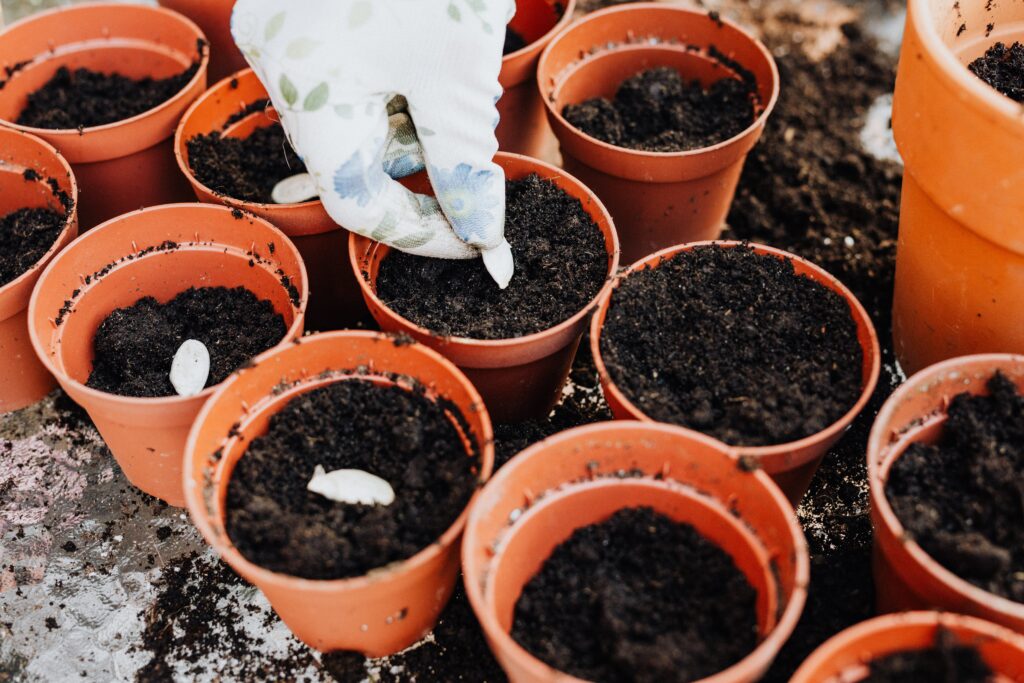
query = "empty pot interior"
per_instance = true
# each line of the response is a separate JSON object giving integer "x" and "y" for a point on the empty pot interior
{"x": 533, "y": 537}
{"x": 970, "y": 28}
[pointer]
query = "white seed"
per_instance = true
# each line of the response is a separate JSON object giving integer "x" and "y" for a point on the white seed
{"x": 294, "y": 189}
{"x": 499, "y": 263}
{"x": 190, "y": 368}
{"x": 351, "y": 486}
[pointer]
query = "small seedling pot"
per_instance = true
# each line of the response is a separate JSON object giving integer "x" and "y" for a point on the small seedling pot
{"x": 336, "y": 302}
{"x": 845, "y": 657}
{"x": 792, "y": 465}
{"x": 523, "y": 126}
{"x": 657, "y": 199}
{"x": 519, "y": 378}
{"x": 214, "y": 18}
{"x": 392, "y": 607}
{"x": 960, "y": 256}
{"x": 579, "y": 477}
{"x": 128, "y": 258}
{"x": 127, "y": 164}
{"x": 906, "y": 577}
{"x": 25, "y": 379}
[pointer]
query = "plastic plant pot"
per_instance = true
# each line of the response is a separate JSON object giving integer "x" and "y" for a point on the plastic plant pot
{"x": 125, "y": 259}
{"x": 792, "y": 465}
{"x": 519, "y": 378}
{"x": 845, "y": 657}
{"x": 960, "y": 256}
{"x": 657, "y": 199}
{"x": 335, "y": 302}
{"x": 214, "y": 18}
{"x": 575, "y": 479}
{"x": 127, "y": 164}
{"x": 391, "y": 607}
{"x": 25, "y": 379}
{"x": 906, "y": 577}
{"x": 523, "y": 126}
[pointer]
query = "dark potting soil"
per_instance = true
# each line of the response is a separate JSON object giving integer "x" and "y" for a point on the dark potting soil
{"x": 962, "y": 499}
{"x": 733, "y": 344}
{"x": 560, "y": 262}
{"x": 83, "y": 98}
{"x": 947, "y": 662}
{"x": 25, "y": 236}
{"x": 637, "y": 598}
{"x": 400, "y": 436}
{"x": 244, "y": 168}
{"x": 513, "y": 42}
{"x": 658, "y": 111}
{"x": 135, "y": 346}
{"x": 1002, "y": 68}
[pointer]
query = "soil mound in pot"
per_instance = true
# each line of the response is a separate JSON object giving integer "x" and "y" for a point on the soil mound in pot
{"x": 25, "y": 237}
{"x": 733, "y": 344}
{"x": 658, "y": 111}
{"x": 135, "y": 345}
{"x": 962, "y": 499}
{"x": 560, "y": 259}
{"x": 83, "y": 98}
{"x": 400, "y": 436}
{"x": 946, "y": 661}
{"x": 637, "y": 598}
{"x": 244, "y": 168}
{"x": 1002, "y": 68}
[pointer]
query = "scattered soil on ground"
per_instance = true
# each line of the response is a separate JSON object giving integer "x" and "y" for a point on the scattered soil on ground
{"x": 244, "y": 168}
{"x": 1002, "y": 68}
{"x": 25, "y": 237}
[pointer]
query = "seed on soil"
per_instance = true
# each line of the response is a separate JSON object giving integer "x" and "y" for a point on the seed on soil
{"x": 25, "y": 237}
{"x": 947, "y": 660}
{"x": 1002, "y": 68}
{"x": 352, "y": 487}
{"x": 244, "y": 168}
{"x": 190, "y": 368}
{"x": 295, "y": 189}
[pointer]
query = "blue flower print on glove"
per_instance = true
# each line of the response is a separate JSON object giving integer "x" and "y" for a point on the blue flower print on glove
{"x": 471, "y": 199}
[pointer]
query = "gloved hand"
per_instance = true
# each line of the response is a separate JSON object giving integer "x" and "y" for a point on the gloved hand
{"x": 345, "y": 76}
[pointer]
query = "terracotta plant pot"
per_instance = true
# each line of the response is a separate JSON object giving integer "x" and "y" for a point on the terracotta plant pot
{"x": 214, "y": 18}
{"x": 575, "y": 479}
{"x": 845, "y": 656}
{"x": 147, "y": 435}
{"x": 391, "y": 607}
{"x": 792, "y": 465}
{"x": 25, "y": 380}
{"x": 656, "y": 199}
{"x": 124, "y": 165}
{"x": 906, "y": 577}
{"x": 519, "y": 378}
{"x": 523, "y": 127}
{"x": 960, "y": 257}
{"x": 335, "y": 300}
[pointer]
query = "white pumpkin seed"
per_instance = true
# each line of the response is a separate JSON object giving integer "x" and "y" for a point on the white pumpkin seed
{"x": 499, "y": 263}
{"x": 294, "y": 189}
{"x": 190, "y": 368}
{"x": 351, "y": 486}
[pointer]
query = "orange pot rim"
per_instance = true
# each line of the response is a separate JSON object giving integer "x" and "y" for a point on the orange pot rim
{"x": 261, "y": 576}
{"x": 883, "y": 452}
{"x": 539, "y": 44}
{"x": 355, "y": 258}
{"x": 758, "y": 122}
{"x": 858, "y": 312}
{"x": 786, "y": 620}
{"x": 71, "y": 214}
{"x": 204, "y": 62}
{"x": 851, "y": 637}
{"x": 956, "y": 76}
{"x": 294, "y": 330}
{"x": 180, "y": 142}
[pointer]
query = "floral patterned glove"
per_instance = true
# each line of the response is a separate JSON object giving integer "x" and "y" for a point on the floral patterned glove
{"x": 373, "y": 90}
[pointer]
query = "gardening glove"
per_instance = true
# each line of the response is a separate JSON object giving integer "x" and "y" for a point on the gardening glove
{"x": 373, "y": 90}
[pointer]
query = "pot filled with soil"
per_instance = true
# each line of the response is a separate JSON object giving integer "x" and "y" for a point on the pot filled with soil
{"x": 233, "y": 150}
{"x": 105, "y": 84}
{"x": 335, "y": 475}
{"x": 516, "y": 345}
{"x": 746, "y": 343}
{"x": 918, "y": 646}
{"x": 655, "y": 108}
{"x": 214, "y": 18}
{"x": 944, "y": 464}
{"x": 523, "y": 127}
{"x": 960, "y": 258}
{"x": 630, "y": 551}
{"x": 38, "y": 217}
{"x": 118, "y": 317}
